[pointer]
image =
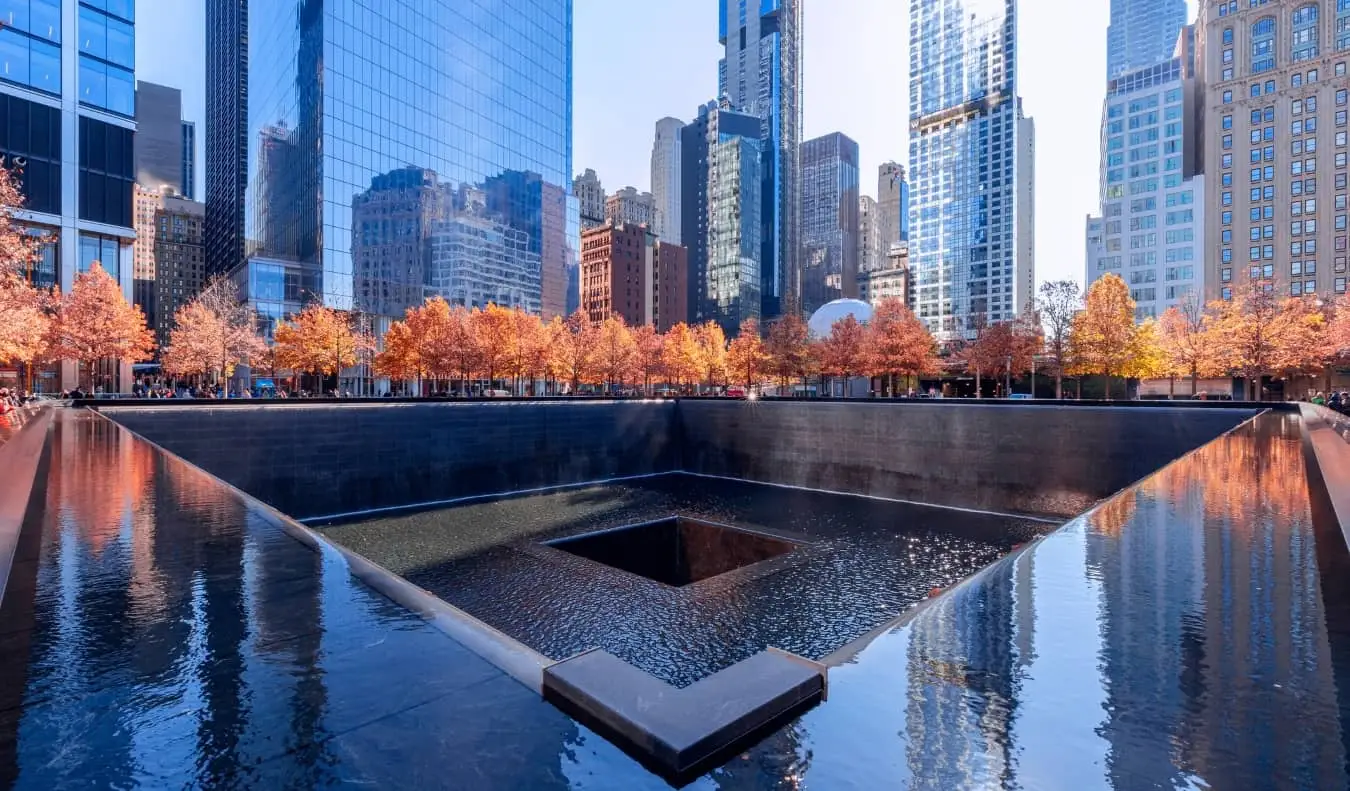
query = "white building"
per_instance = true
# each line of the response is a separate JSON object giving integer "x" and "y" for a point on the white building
{"x": 1151, "y": 224}
{"x": 666, "y": 179}
{"x": 871, "y": 246}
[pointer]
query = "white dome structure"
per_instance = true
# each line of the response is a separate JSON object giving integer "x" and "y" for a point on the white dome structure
{"x": 822, "y": 321}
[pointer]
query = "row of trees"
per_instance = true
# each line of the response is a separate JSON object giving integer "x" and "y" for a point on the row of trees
{"x": 443, "y": 344}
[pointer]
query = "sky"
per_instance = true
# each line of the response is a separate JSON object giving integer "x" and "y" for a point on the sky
{"x": 636, "y": 61}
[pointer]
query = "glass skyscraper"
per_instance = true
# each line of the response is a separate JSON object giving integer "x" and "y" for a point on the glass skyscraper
{"x": 410, "y": 148}
{"x": 971, "y": 167}
{"x": 1142, "y": 33}
{"x": 761, "y": 75}
{"x": 830, "y": 222}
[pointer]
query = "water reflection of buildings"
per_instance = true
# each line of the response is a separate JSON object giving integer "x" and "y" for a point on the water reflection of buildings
{"x": 1215, "y": 655}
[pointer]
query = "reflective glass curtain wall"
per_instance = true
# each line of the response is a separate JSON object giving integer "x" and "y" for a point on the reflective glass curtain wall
{"x": 964, "y": 126}
{"x": 414, "y": 147}
{"x": 1142, "y": 33}
{"x": 829, "y": 220}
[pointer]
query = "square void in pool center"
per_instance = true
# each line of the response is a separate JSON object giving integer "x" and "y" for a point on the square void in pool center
{"x": 677, "y": 550}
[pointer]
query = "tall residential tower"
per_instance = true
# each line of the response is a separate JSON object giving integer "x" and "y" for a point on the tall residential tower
{"x": 970, "y": 167}
{"x": 1142, "y": 33}
{"x": 830, "y": 221}
{"x": 666, "y": 179}
{"x": 760, "y": 75}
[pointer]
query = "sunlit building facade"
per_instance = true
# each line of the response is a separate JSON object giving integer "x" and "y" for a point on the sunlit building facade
{"x": 830, "y": 221}
{"x": 345, "y": 100}
{"x": 971, "y": 166}
{"x": 1141, "y": 33}
{"x": 760, "y": 74}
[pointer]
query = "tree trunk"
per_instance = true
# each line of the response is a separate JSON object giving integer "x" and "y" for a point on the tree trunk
{"x": 1108, "y": 387}
{"x": 978, "y": 390}
{"x": 1078, "y": 382}
{"x": 1195, "y": 374}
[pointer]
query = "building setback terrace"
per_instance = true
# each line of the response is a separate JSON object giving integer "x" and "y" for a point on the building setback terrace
{"x": 702, "y": 593}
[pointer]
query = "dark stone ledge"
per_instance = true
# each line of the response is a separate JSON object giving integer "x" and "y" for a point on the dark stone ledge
{"x": 681, "y": 733}
{"x": 20, "y": 458}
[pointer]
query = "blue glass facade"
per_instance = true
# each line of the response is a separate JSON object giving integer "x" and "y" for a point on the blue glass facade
{"x": 760, "y": 75}
{"x": 382, "y": 133}
{"x": 1142, "y": 33}
{"x": 967, "y": 136}
{"x": 830, "y": 222}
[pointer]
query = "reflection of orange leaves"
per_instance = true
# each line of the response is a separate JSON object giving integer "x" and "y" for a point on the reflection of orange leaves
{"x": 1113, "y": 515}
{"x": 103, "y": 486}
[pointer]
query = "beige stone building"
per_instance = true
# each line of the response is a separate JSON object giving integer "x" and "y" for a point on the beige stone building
{"x": 169, "y": 263}
{"x": 1273, "y": 103}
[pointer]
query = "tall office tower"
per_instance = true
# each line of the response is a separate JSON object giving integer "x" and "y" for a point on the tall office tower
{"x": 893, "y": 203}
{"x": 227, "y": 76}
{"x": 871, "y": 251}
{"x": 159, "y": 136}
{"x": 67, "y": 118}
{"x": 327, "y": 126}
{"x": 761, "y": 75}
{"x": 829, "y": 220}
{"x": 720, "y": 187}
{"x": 1142, "y": 33}
{"x": 170, "y": 267}
{"x": 590, "y": 194}
{"x": 1150, "y": 230}
{"x": 968, "y": 165}
{"x": 630, "y": 206}
{"x": 189, "y": 186}
{"x": 1274, "y": 100}
{"x": 666, "y": 178}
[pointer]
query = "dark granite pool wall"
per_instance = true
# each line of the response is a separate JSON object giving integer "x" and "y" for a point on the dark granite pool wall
{"x": 1030, "y": 459}
{"x": 320, "y": 460}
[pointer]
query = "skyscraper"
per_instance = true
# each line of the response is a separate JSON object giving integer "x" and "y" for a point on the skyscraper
{"x": 893, "y": 204}
{"x": 159, "y": 136}
{"x": 1275, "y": 101}
{"x": 590, "y": 199}
{"x": 342, "y": 139}
{"x": 760, "y": 74}
{"x": 969, "y": 166}
{"x": 829, "y": 220}
{"x": 1142, "y": 33}
{"x": 871, "y": 250}
{"x": 227, "y": 79}
{"x": 67, "y": 119}
{"x": 721, "y": 156}
{"x": 666, "y": 178}
{"x": 1151, "y": 228}
{"x": 189, "y": 186}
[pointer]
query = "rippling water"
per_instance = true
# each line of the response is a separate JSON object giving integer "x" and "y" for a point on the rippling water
{"x": 861, "y": 563}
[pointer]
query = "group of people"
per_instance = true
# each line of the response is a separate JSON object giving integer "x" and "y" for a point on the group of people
{"x": 1339, "y": 401}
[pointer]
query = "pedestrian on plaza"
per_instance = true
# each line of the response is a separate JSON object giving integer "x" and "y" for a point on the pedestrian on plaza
{"x": 1319, "y": 399}
{"x": 1335, "y": 401}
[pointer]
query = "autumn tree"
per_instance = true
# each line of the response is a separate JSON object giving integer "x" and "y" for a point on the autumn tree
{"x": 843, "y": 352}
{"x": 712, "y": 352}
{"x": 1104, "y": 331}
{"x": 322, "y": 341}
{"x": 494, "y": 327}
{"x": 459, "y": 352}
{"x": 647, "y": 343}
{"x": 1185, "y": 341}
{"x": 524, "y": 345}
{"x": 401, "y": 358}
{"x": 898, "y": 343}
{"x": 213, "y": 333}
{"x": 614, "y": 351}
{"x": 1147, "y": 359}
{"x": 572, "y": 349}
{"x": 746, "y": 358}
{"x": 95, "y": 322}
{"x": 789, "y": 349}
{"x": 25, "y": 311}
{"x": 680, "y": 355}
{"x": 1059, "y": 301}
{"x": 1256, "y": 334}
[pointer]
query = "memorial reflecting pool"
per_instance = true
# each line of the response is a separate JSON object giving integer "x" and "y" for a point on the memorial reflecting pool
{"x": 160, "y": 629}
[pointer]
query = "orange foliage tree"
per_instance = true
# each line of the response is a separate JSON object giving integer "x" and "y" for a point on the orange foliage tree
{"x": 844, "y": 352}
{"x": 647, "y": 344}
{"x": 1103, "y": 332}
{"x": 1188, "y": 346}
{"x": 712, "y": 352}
{"x": 213, "y": 333}
{"x": 898, "y": 343}
{"x": 572, "y": 349}
{"x": 1004, "y": 349}
{"x": 95, "y": 322}
{"x": 494, "y": 326}
{"x": 25, "y": 311}
{"x": 680, "y": 355}
{"x": 1256, "y": 334}
{"x": 322, "y": 341}
{"x": 614, "y": 351}
{"x": 746, "y": 359}
{"x": 1059, "y": 301}
{"x": 789, "y": 349}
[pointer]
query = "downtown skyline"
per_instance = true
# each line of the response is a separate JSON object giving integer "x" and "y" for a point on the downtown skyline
{"x": 867, "y": 43}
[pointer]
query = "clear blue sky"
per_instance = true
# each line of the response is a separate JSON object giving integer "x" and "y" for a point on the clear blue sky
{"x": 639, "y": 60}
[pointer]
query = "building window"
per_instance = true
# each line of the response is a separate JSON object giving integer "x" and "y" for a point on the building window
{"x": 1342, "y": 31}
